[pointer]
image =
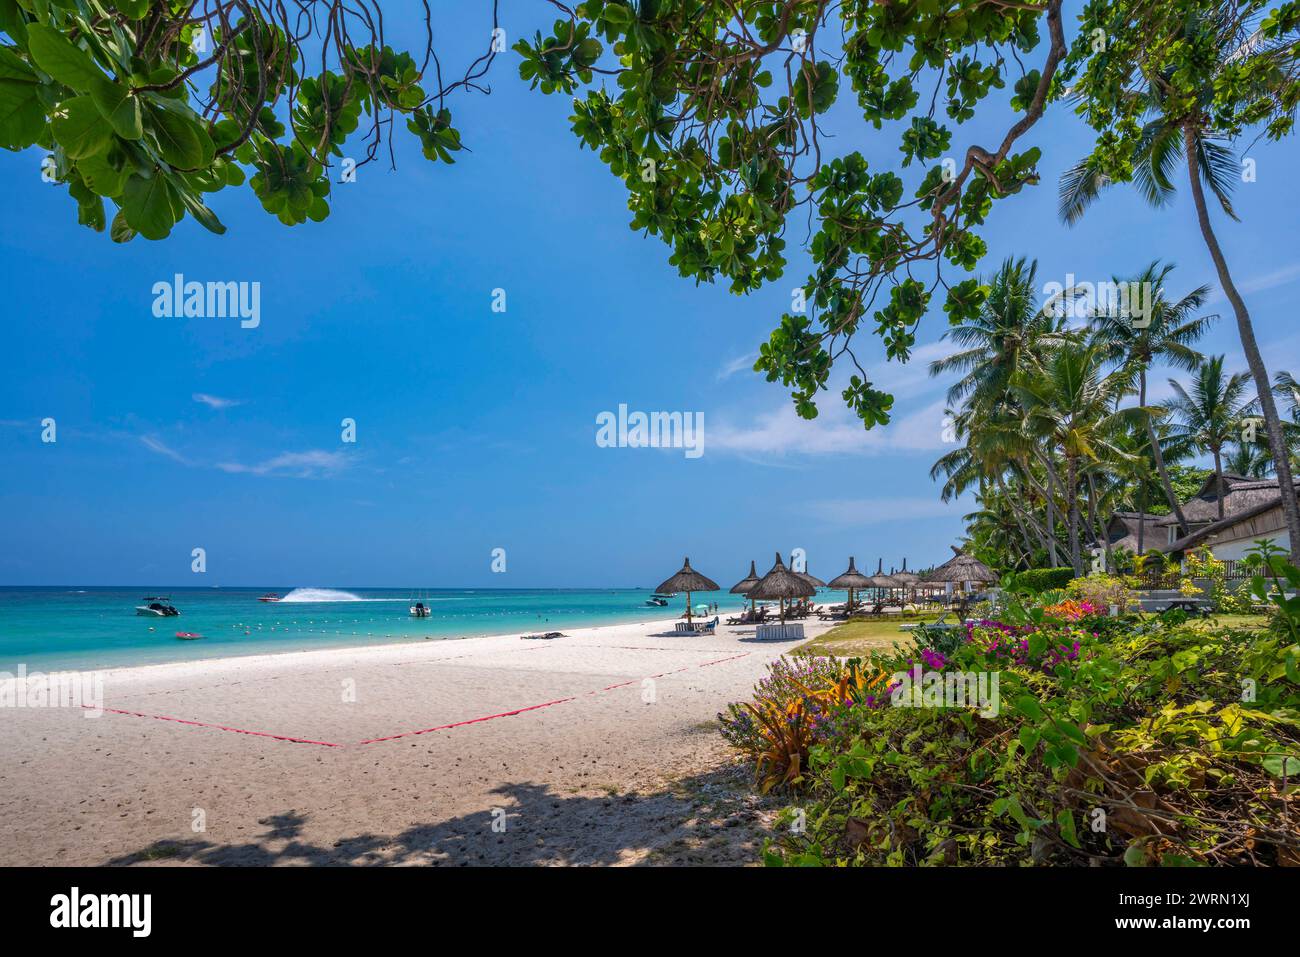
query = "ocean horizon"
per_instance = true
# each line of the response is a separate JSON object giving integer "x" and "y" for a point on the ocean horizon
{"x": 60, "y": 627}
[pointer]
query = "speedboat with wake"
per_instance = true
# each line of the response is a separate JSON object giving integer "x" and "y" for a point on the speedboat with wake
{"x": 658, "y": 600}
{"x": 157, "y": 607}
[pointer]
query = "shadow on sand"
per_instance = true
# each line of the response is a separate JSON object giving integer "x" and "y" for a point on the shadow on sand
{"x": 708, "y": 819}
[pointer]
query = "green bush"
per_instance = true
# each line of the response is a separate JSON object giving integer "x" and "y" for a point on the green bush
{"x": 1037, "y": 580}
{"x": 1162, "y": 741}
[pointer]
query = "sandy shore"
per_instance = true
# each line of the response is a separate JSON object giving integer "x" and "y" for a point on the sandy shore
{"x": 596, "y": 748}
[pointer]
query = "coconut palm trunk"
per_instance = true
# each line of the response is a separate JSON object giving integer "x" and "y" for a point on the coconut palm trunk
{"x": 1051, "y": 509}
{"x": 1072, "y": 508}
{"x": 1246, "y": 330}
{"x": 1142, "y": 516}
{"x": 1159, "y": 457}
{"x": 1102, "y": 533}
{"x": 1218, "y": 477}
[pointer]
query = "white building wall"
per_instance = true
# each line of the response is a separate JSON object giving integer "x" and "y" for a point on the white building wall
{"x": 1235, "y": 548}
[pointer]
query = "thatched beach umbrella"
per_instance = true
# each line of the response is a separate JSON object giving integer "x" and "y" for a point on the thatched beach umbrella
{"x": 851, "y": 580}
{"x": 743, "y": 586}
{"x": 809, "y": 577}
{"x": 881, "y": 581}
{"x": 909, "y": 579}
{"x": 781, "y": 584}
{"x": 687, "y": 580}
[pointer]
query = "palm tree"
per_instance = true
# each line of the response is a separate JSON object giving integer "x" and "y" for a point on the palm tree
{"x": 1249, "y": 458}
{"x": 1165, "y": 334}
{"x": 1181, "y": 132}
{"x": 1210, "y": 416}
{"x": 1073, "y": 406}
{"x": 1008, "y": 335}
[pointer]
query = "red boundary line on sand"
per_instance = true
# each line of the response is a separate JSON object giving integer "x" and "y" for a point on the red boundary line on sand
{"x": 545, "y": 704}
{"x": 219, "y": 727}
{"x": 407, "y": 734}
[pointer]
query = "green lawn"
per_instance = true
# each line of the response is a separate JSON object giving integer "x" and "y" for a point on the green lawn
{"x": 858, "y": 638}
{"x": 862, "y": 637}
{"x": 1255, "y": 622}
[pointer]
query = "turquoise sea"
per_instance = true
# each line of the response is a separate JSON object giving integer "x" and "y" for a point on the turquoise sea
{"x": 68, "y": 627}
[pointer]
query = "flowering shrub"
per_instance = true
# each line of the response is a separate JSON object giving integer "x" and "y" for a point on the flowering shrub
{"x": 1071, "y": 610}
{"x": 1102, "y": 591}
{"x": 803, "y": 700}
{"x": 1180, "y": 739}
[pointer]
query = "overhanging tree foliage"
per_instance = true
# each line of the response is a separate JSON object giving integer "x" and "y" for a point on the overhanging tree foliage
{"x": 715, "y": 126}
{"x": 150, "y": 104}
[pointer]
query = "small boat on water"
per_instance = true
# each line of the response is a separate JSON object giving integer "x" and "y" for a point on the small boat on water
{"x": 658, "y": 600}
{"x": 158, "y": 607}
{"x": 187, "y": 635}
{"x": 270, "y": 596}
{"x": 418, "y": 608}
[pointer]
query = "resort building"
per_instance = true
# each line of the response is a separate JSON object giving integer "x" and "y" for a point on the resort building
{"x": 1252, "y": 509}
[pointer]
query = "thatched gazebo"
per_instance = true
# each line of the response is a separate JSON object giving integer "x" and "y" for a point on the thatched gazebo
{"x": 851, "y": 580}
{"x": 687, "y": 580}
{"x": 743, "y": 586}
{"x": 964, "y": 570}
{"x": 781, "y": 584}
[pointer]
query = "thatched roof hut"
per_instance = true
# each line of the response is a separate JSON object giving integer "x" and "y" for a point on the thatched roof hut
{"x": 688, "y": 580}
{"x": 963, "y": 568}
{"x": 781, "y": 584}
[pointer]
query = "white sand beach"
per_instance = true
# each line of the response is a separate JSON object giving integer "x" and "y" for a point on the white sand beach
{"x": 596, "y": 748}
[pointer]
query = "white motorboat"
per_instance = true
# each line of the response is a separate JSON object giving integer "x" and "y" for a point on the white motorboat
{"x": 157, "y": 607}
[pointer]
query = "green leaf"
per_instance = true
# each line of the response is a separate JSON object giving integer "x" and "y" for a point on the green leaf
{"x": 61, "y": 58}
{"x": 22, "y": 118}
{"x": 1065, "y": 822}
{"x": 102, "y": 177}
{"x": 133, "y": 9}
{"x": 1074, "y": 733}
{"x": 1282, "y": 765}
{"x": 119, "y": 107}
{"x": 206, "y": 217}
{"x": 13, "y": 67}
{"x": 182, "y": 141}
{"x": 120, "y": 231}
{"x": 1029, "y": 707}
{"x": 80, "y": 128}
{"x": 151, "y": 206}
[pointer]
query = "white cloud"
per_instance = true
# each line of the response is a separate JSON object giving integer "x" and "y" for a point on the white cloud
{"x": 873, "y": 511}
{"x": 834, "y": 432}
{"x": 155, "y": 444}
{"x": 310, "y": 464}
{"x": 736, "y": 365}
{"x": 215, "y": 401}
{"x": 1261, "y": 283}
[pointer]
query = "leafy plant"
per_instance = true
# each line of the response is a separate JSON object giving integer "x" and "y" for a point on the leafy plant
{"x": 153, "y": 105}
{"x": 1159, "y": 743}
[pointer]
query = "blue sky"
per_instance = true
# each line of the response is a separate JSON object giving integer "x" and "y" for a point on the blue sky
{"x": 476, "y": 429}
